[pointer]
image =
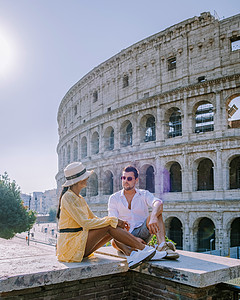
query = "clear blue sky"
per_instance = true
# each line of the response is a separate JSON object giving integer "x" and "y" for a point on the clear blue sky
{"x": 46, "y": 46}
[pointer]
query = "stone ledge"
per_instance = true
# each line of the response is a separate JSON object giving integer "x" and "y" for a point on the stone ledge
{"x": 24, "y": 267}
{"x": 193, "y": 269}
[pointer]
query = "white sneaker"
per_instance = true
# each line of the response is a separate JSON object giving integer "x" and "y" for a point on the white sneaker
{"x": 137, "y": 257}
{"x": 159, "y": 255}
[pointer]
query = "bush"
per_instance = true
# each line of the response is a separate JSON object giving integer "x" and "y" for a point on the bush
{"x": 153, "y": 240}
{"x": 14, "y": 217}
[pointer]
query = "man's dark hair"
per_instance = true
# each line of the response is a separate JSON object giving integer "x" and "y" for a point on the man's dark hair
{"x": 131, "y": 169}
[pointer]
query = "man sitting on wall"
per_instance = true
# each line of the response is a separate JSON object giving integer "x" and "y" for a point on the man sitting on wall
{"x": 131, "y": 205}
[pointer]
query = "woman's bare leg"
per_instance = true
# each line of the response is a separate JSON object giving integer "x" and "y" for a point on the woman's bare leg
{"x": 121, "y": 247}
{"x": 99, "y": 244}
{"x": 97, "y": 238}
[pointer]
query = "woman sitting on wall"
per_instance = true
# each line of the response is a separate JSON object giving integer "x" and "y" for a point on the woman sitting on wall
{"x": 81, "y": 232}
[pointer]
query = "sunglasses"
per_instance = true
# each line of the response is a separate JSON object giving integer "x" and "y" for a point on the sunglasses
{"x": 128, "y": 178}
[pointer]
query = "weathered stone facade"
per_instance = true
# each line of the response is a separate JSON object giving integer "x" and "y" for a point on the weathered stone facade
{"x": 164, "y": 105}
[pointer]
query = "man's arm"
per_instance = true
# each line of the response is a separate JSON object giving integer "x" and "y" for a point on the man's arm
{"x": 153, "y": 224}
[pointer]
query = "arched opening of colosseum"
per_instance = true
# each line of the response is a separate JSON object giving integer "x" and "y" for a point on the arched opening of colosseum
{"x": 204, "y": 117}
{"x": 147, "y": 178}
{"x": 126, "y": 134}
{"x": 235, "y": 233}
{"x": 75, "y": 151}
{"x": 205, "y": 181}
{"x": 233, "y": 112}
{"x": 84, "y": 147}
{"x": 93, "y": 185}
{"x": 108, "y": 183}
{"x": 68, "y": 154}
{"x": 175, "y": 177}
{"x": 206, "y": 235}
{"x": 174, "y": 122}
{"x": 176, "y": 232}
{"x": 95, "y": 143}
{"x": 148, "y": 128}
{"x": 234, "y": 170}
{"x": 109, "y": 138}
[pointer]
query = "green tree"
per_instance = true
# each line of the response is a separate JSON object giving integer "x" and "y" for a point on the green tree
{"x": 52, "y": 215}
{"x": 14, "y": 216}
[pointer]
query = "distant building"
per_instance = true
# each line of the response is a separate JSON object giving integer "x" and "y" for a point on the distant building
{"x": 168, "y": 105}
{"x": 41, "y": 202}
{"x": 25, "y": 199}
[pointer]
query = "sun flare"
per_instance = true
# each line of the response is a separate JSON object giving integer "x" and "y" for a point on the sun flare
{"x": 6, "y": 55}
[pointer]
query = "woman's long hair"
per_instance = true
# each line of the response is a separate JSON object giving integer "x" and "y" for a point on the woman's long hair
{"x": 59, "y": 203}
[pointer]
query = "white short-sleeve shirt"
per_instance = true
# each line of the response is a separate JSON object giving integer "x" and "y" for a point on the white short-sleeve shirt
{"x": 142, "y": 200}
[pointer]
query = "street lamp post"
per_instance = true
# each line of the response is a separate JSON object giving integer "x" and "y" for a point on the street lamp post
{"x": 29, "y": 203}
{"x": 211, "y": 244}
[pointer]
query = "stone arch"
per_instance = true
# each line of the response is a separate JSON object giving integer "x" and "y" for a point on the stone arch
{"x": 126, "y": 134}
{"x": 169, "y": 226}
{"x": 109, "y": 138}
{"x": 173, "y": 176}
{"x": 93, "y": 185}
{"x": 173, "y": 121}
{"x": 204, "y": 117}
{"x": 147, "y": 178}
{"x": 235, "y": 233}
{"x": 176, "y": 232}
{"x": 227, "y": 226}
{"x": 75, "y": 151}
{"x": 234, "y": 172}
{"x": 175, "y": 172}
{"x": 205, "y": 175}
{"x": 107, "y": 183}
{"x": 118, "y": 178}
{"x": 95, "y": 143}
{"x": 204, "y": 234}
{"x": 84, "y": 147}
{"x": 147, "y": 128}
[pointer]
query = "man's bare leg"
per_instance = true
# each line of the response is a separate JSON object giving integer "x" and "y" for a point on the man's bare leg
{"x": 162, "y": 244}
{"x": 161, "y": 232}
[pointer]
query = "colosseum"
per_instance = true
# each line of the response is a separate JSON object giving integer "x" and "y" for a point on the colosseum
{"x": 168, "y": 105}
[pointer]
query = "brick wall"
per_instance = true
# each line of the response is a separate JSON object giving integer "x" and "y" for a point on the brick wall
{"x": 147, "y": 287}
{"x": 105, "y": 287}
{"x": 126, "y": 286}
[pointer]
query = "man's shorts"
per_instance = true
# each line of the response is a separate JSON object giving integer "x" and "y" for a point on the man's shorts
{"x": 142, "y": 232}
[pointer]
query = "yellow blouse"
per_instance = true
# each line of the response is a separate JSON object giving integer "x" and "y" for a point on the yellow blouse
{"x": 75, "y": 213}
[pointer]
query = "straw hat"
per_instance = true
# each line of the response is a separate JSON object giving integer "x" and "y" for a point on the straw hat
{"x": 74, "y": 173}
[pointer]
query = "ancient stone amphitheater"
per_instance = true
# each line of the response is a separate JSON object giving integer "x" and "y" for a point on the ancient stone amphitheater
{"x": 168, "y": 105}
